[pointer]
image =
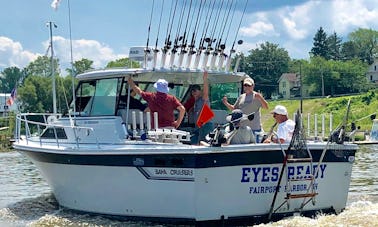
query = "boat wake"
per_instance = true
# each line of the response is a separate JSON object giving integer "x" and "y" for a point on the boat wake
{"x": 45, "y": 211}
{"x": 360, "y": 213}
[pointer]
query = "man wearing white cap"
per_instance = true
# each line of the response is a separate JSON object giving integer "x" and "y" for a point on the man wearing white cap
{"x": 162, "y": 103}
{"x": 285, "y": 125}
{"x": 250, "y": 101}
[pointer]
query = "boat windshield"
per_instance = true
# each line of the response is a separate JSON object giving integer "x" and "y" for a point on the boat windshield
{"x": 97, "y": 97}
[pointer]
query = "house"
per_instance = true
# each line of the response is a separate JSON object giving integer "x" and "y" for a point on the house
{"x": 372, "y": 72}
{"x": 289, "y": 85}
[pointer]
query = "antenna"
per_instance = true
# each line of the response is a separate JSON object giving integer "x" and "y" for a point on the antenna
{"x": 51, "y": 25}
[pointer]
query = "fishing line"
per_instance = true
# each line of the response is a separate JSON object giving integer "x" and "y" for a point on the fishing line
{"x": 186, "y": 27}
{"x": 215, "y": 24}
{"x": 224, "y": 23}
{"x": 232, "y": 18}
{"x": 206, "y": 25}
{"x": 179, "y": 28}
{"x": 199, "y": 15}
{"x": 241, "y": 19}
{"x": 149, "y": 26}
{"x": 161, "y": 15}
{"x": 169, "y": 27}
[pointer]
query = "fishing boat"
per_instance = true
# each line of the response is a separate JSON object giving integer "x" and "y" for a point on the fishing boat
{"x": 104, "y": 157}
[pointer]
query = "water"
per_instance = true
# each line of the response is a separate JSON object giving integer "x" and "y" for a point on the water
{"x": 26, "y": 199}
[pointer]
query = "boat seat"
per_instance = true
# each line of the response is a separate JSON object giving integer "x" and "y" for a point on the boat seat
{"x": 219, "y": 117}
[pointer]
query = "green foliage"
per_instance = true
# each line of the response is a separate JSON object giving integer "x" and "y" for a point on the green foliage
{"x": 360, "y": 111}
{"x": 265, "y": 65}
{"x": 80, "y": 66}
{"x": 366, "y": 41}
{"x": 335, "y": 76}
{"x": 12, "y": 76}
{"x": 320, "y": 47}
{"x": 123, "y": 62}
{"x": 36, "y": 94}
{"x": 42, "y": 67}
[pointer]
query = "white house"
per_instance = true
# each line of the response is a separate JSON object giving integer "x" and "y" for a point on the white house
{"x": 372, "y": 73}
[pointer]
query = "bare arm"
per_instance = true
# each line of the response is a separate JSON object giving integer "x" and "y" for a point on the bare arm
{"x": 205, "y": 94}
{"x": 227, "y": 104}
{"x": 264, "y": 103}
{"x": 135, "y": 88}
{"x": 181, "y": 110}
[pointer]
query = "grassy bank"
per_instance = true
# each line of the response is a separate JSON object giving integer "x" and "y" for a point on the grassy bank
{"x": 362, "y": 107}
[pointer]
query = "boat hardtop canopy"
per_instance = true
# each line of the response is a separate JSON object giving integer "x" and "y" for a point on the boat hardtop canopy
{"x": 172, "y": 75}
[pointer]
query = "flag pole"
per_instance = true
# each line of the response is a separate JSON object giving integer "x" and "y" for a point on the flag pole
{"x": 51, "y": 24}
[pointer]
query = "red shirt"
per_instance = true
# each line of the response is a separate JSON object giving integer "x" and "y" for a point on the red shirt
{"x": 164, "y": 105}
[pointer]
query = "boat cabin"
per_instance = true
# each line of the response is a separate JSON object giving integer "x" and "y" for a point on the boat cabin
{"x": 106, "y": 93}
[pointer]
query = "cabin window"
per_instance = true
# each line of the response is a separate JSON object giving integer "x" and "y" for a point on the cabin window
{"x": 97, "y": 98}
{"x": 50, "y": 133}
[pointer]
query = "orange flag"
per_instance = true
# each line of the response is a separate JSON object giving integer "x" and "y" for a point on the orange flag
{"x": 205, "y": 115}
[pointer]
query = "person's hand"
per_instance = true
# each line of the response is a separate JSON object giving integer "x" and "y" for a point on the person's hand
{"x": 224, "y": 99}
{"x": 205, "y": 74}
{"x": 176, "y": 124}
{"x": 129, "y": 80}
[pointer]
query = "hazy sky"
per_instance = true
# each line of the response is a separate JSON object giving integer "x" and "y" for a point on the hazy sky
{"x": 105, "y": 30}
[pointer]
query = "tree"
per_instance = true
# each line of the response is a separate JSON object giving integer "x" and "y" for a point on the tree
{"x": 349, "y": 50}
{"x": 42, "y": 67}
{"x": 265, "y": 65}
{"x": 329, "y": 77}
{"x": 80, "y": 66}
{"x": 11, "y": 77}
{"x": 334, "y": 47}
{"x": 366, "y": 41}
{"x": 123, "y": 62}
{"x": 320, "y": 47}
{"x": 35, "y": 94}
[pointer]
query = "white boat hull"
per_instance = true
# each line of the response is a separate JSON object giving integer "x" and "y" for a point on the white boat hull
{"x": 207, "y": 184}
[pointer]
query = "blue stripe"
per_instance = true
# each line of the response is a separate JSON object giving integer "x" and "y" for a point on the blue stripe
{"x": 193, "y": 160}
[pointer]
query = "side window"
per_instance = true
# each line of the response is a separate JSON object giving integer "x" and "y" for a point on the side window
{"x": 105, "y": 97}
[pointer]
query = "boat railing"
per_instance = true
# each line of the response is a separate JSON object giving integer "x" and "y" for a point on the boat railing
{"x": 30, "y": 125}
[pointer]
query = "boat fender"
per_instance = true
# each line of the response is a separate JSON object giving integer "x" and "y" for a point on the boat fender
{"x": 51, "y": 119}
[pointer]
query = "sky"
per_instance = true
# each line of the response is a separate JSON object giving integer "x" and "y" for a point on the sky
{"x": 103, "y": 31}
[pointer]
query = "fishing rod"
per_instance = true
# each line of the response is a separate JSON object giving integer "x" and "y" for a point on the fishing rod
{"x": 147, "y": 50}
{"x": 222, "y": 54}
{"x": 217, "y": 48}
{"x": 156, "y": 50}
{"x": 184, "y": 39}
{"x": 192, "y": 43}
{"x": 211, "y": 39}
{"x": 204, "y": 31}
{"x": 168, "y": 43}
{"x": 232, "y": 50}
{"x": 178, "y": 37}
{"x": 217, "y": 137}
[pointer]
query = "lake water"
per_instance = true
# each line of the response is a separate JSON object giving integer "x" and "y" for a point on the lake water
{"x": 26, "y": 199}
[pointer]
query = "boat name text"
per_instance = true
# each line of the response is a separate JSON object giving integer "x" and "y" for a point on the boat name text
{"x": 271, "y": 174}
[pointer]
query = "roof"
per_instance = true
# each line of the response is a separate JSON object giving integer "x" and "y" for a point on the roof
{"x": 291, "y": 77}
{"x": 172, "y": 75}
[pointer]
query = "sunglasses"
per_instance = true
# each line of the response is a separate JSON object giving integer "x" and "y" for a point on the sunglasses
{"x": 247, "y": 85}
